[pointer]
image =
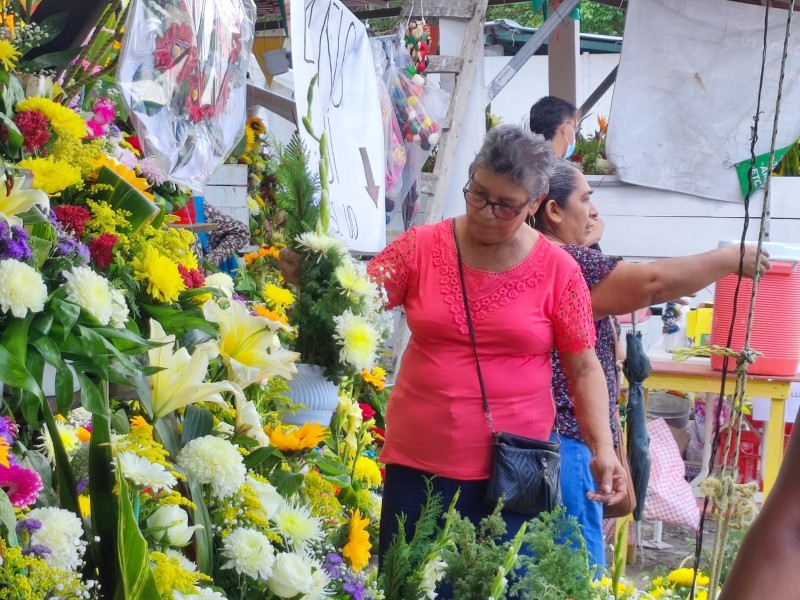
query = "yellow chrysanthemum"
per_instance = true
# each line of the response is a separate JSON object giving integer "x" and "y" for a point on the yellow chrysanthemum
{"x": 277, "y": 295}
{"x": 257, "y": 125}
{"x": 140, "y": 183}
{"x": 685, "y": 576}
{"x": 357, "y": 549}
{"x": 9, "y": 55}
{"x": 50, "y": 175}
{"x": 295, "y": 439}
{"x": 63, "y": 120}
{"x": 366, "y": 471}
{"x": 358, "y": 340}
{"x": 376, "y": 378}
{"x": 164, "y": 281}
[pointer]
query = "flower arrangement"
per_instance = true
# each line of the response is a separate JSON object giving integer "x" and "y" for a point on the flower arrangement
{"x": 191, "y": 82}
{"x": 590, "y": 151}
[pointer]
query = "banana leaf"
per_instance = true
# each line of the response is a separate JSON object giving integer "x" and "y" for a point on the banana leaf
{"x": 136, "y": 581}
{"x": 126, "y": 197}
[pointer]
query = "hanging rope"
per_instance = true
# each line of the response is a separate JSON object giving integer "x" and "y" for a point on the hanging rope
{"x": 735, "y": 504}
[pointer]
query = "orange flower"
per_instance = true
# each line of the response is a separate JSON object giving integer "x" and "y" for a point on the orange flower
{"x": 250, "y": 257}
{"x": 602, "y": 122}
{"x": 357, "y": 549}
{"x": 140, "y": 183}
{"x": 5, "y": 449}
{"x": 263, "y": 311}
{"x": 295, "y": 439}
{"x": 376, "y": 378}
{"x": 84, "y": 435}
{"x": 139, "y": 422}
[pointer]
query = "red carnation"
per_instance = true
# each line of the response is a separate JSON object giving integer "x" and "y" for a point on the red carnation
{"x": 191, "y": 279}
{"x": 72, "y": 218}
{"x": 102, "y": 249}
{"x": 367, "y": 412}
{"x": 134, "y": 141}
{"x": 35, "y": 129}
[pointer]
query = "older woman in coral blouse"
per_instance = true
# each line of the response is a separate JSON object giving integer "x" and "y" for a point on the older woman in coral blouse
{"x": 526, "y": 297}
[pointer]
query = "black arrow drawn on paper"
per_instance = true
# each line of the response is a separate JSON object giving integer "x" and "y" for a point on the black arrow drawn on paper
{"x": 372, "y": 189}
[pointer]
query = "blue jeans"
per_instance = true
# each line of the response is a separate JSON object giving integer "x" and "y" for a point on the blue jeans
{"x": 576, "y": 482}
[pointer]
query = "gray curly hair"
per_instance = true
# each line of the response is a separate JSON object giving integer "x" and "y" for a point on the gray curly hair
{"x": 524, "y": 157}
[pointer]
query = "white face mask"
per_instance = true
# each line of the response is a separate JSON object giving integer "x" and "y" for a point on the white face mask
{"x": 571, "y": 145}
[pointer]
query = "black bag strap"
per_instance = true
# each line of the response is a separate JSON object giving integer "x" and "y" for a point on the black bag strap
{"x": 486, "y": 410}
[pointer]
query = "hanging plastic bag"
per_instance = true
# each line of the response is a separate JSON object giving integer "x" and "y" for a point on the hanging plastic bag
{"x": 182, "y": 73}
{"x": 420, "y": 108}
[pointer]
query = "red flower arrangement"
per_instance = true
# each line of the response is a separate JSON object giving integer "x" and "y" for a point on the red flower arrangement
{"x": 101, "y": 249}
{"x": 192, "y": 279}
{"x": 35, "y": 130}
{"x": 72, "y": 218}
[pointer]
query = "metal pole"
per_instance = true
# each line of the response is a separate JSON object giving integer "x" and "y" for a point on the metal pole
{"x": 530, "y": 48}
{"x": 598, "y": 93}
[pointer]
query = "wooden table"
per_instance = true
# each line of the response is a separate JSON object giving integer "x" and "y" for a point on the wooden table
{"x": 667, "y": 375}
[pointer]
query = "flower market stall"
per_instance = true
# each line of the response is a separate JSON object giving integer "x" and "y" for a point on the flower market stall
{"x": 173, "y": 430}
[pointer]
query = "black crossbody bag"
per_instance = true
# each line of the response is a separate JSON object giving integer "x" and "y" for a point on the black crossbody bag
{"x": 525, "y": 472}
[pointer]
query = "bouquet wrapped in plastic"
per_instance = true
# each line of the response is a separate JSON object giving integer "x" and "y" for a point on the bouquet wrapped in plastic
{"x": 182, "y": 73}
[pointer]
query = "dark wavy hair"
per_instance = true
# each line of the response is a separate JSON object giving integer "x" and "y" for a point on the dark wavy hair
{"x": 548, "y": 113}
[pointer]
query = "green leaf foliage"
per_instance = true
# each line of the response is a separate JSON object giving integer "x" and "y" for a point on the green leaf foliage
{"x": 136, "y": 581}
{"x": 296, "y": 190}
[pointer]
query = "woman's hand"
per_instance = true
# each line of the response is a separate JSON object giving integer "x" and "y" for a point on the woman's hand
{"x": 612, "y": 481}
{"x": 750, "y": 267}
{"x": 290, "y": 263}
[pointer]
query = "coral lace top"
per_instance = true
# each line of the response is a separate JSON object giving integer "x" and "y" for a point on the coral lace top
{"x": 435, "y": 420}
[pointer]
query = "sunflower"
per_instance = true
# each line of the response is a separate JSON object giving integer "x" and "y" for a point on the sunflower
{"x": 256, "y": 125}
{"x": 63, "y": 120}
{"x": 140, "y": 183}
{"x": 249, "y": 140}
{"x": 295, "y": 439}
{"x": 50, "y": 175}
{"x": 9, "y": 55}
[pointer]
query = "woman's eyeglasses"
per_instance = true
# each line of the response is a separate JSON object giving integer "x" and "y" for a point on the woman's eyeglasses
{"x": 499, "y": 210}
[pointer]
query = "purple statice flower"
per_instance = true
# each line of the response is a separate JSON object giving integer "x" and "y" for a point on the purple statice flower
{"x": 37, "y": 550}
{"x": 68, "y": 247}
{"x": 28, "y": 525}
{"x": 353, "y": 586}
{"x": 8, "y": 430}
{"x": 14, "y": 243}
{"x": 82, "y": 485}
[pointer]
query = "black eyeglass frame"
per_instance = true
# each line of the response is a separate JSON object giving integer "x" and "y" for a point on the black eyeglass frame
{"x": 484, "y": 201}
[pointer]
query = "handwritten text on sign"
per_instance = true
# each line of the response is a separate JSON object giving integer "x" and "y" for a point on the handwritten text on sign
{"x": 328, "y": 40}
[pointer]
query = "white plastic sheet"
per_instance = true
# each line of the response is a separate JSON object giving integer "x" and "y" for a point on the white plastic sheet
{"x": 686, "y": 94}
{"x": 182, "y": 74}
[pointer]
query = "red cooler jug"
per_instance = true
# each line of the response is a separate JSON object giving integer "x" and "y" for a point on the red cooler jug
{"x": 776, "y": 321}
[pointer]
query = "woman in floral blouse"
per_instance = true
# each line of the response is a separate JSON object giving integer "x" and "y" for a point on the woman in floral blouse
{"x": 617, "y": 287}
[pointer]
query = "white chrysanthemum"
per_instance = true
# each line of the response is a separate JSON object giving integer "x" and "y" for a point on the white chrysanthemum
{"x": 69, "y": 439}
{"x": 215, "y": 461}
{"x": 91, "y": 291}
{"x": 186, "y": 564}
{"x": 353, "y": 280}
{"x": 296, "y": 524}
{"x": 358, "y": 338}
{"x": 221, "y": 282}
{"x": 252, "y": 206}
{"x": 60, "y": 533}
{"x": 22, "y": 289}
{"x": 119, "y": 309}
{"x": 291, "y": 576}
{"x": 320, "y": 583}
{"x": 143, "y": 473}
{"x": 249, "y": 552}
{"x": 321, "y": 243}
{"x": 200, "y": 593}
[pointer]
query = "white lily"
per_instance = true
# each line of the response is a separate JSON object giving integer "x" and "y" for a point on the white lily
{"x": 17, "y": 200}
{"x": 182, "y": 380}
{"x": 248, "y": 422}
{"x": 249, "y": 344}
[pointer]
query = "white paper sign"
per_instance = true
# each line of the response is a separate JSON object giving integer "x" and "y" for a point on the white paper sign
{"x": 327, "y": 39}
{"x": 686, "y": 94}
